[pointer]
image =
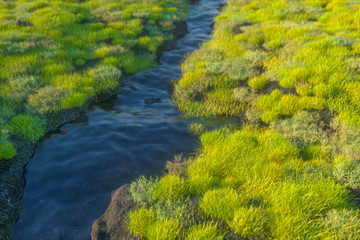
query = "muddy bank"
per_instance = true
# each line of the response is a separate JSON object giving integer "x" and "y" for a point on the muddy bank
{"x": 12, "y": 172}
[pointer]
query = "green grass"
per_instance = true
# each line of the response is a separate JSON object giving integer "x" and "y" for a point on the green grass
{"x": 289, "y": 70}
{"x": 258, "y": 82}
{"x": 57, "y": 55}
{"x": 305, "y": 50}
{"x": 204, "y": 231}
{"x": 27, "y": 127}
{"x": 261, "y": 186}
{"x": 73, "y": 100}
{"x": 222, "y": 203}
{"x": 48, "y": 99}
{"x": 249, "y": 222}
{"x": 7, "y": 150}
{"x": 143, "y": 223}
{"x": 170, "y": 187}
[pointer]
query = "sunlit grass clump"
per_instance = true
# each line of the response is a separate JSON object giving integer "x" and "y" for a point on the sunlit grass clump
{"x": 58, "y": 55}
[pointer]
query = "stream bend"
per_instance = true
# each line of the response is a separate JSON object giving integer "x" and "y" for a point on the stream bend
{"x": 73, "y": 172}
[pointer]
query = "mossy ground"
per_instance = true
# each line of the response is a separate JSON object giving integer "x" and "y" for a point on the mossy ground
{"x": 290, "y": 70}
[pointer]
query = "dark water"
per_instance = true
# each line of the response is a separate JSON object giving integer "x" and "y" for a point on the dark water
{"x": 70, "y": 179}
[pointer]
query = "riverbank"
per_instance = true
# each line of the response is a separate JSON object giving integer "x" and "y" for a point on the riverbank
{"x": 288, "y": 71}
{"x": 36, "y": 100}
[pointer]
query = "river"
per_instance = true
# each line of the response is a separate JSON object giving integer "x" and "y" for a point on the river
{"x": 70, "y": 178}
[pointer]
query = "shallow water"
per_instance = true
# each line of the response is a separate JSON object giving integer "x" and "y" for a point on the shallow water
{"x": 73, "y": 172}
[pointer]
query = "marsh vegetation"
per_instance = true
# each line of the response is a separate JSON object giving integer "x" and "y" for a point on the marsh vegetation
{"x": 59, "y": 55}
{"x": 290, "y": 71}
{"x": 56, "y": 58}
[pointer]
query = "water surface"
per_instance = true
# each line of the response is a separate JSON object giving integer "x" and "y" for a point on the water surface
{"x": 73, "y": 172}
